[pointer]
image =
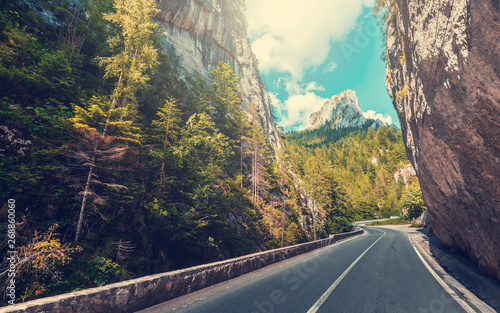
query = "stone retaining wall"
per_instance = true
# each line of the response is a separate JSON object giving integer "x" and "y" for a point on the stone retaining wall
{"x": 144, "y": 292}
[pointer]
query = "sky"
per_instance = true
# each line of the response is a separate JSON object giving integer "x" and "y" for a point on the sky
{"x": 309, "y": 51}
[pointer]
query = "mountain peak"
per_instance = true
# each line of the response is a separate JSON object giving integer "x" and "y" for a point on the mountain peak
{"x": 343, "y": 111}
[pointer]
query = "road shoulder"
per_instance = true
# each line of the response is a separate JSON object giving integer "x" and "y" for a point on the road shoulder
{"x": 446, "y": 269}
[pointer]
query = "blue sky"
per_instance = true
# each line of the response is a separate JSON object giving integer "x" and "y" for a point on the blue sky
{"x": 310, "y": 52}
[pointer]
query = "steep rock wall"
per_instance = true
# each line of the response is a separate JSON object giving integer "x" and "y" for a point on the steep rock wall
{"x": 202, "y": 33}
{"x": 443, "y": 74}
{"x": 343, "y": 110}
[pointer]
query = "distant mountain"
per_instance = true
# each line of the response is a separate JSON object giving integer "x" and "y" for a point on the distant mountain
{"x": 342, "y": 111}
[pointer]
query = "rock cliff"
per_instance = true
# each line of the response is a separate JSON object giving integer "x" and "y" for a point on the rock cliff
{"x": 443, "y": 74}
{"x": 201, "y": 33}
{"x": 405, "y": 173}
{"x": 343, "y": 111}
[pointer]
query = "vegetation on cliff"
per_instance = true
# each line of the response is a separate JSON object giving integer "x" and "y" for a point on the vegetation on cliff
{"x": 119, "y": 166}
{"x": 350, "y": 173}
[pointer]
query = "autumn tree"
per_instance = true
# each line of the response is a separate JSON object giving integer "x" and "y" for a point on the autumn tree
{"x": 38, "y": 261}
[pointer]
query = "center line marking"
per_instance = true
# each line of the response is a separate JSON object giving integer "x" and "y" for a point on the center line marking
{"x": 327, "y": 293}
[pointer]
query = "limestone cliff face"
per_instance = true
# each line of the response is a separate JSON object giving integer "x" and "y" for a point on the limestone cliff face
{"x": 443, "y": 74}
{"x": 343, "y": 111}
{"x": 405, "y": 173}
{"x": 201, "y": 33}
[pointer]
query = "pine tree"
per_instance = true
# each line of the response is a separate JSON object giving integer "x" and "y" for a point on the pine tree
{"x": 222, "y": 100}
{"x": 137, "y": 53}
{"x": 168, "y": 125}
{"x": 90, "y": 122}
{"x": 258, "y": 153}
{"x": 130, "y": 64}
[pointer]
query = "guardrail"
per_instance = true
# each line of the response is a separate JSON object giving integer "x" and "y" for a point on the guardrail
{"x": 136, "y": 294}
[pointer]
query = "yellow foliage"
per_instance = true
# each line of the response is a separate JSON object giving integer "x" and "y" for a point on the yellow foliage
{"x": 402, "y": 93}
{"x": 43, "y": 254}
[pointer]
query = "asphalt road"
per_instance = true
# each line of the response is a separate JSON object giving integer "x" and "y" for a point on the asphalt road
{"x": 376, "y": 272}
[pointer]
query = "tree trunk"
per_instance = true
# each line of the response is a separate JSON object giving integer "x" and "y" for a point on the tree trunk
{"x": 165, "y": 142}
{"x": 85, "y": 196}
{"x": 91, "y": 169}
{"x": 283, "y": 226}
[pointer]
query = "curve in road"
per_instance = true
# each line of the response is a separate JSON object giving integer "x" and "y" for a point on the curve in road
{"x": 376, "y": 272}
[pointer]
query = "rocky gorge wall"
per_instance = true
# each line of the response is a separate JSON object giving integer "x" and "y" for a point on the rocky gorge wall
{"x": 443, "y": 74}
{"x": 201, "y": 33}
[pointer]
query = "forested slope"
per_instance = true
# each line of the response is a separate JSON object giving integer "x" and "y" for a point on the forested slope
{"x": 118, "y": 165}
{"x": 351, "y": 173}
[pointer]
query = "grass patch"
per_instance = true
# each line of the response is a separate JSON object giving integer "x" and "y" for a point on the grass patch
{"x": 396, "y": 221}
{"x": 418, "y": 225}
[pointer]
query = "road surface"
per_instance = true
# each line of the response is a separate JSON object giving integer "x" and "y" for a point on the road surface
{"x": 376, "y": 272}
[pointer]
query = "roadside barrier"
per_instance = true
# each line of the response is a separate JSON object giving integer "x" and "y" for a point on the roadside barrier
{"x": 140, "y": 293}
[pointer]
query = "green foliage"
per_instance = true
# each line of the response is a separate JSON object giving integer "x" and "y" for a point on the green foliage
{"x": 222, "y": 101}
{"x": 104, "y": 269}
{"x": 135, "y": 49}
{"x": 394, "y": 221}
{"x": 203, "y": 147}
{"x": 413, "y": 201}
{"x": 350, "y": 172}
{"x": 167, "y": 157}
{"x": 169, "y": 121}
{"x": 98, "y": 114}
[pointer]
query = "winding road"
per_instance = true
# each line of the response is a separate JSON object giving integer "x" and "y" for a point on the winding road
{"x": 378, "y": 271}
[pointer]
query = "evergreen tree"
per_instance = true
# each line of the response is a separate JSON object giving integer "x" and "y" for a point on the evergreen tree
{"x": 222, "y": 100}
{"x": 259, "y": 157}
{"x": 168, "y": 125}
{"x": 89, "y": 122}
{"x": 413, "y": 201}
{"x": 134, "y": 52}
{"x": 130, "y": 64}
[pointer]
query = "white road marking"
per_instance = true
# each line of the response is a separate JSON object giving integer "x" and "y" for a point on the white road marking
{"x": 452, "y": 293}
{"x": 325, "y": 296}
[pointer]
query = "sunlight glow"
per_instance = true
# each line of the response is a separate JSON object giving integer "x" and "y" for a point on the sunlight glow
{"x": 290, "y": 36}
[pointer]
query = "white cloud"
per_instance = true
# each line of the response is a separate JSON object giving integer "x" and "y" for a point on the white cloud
{"x": 294, "y": 112}
{"x": 293, "y": 87}
{"x": 386, "y": 118}
{"x": 290, "y": 36}
{"x": 312, "y": 86}
{"x": 330, "y": 67}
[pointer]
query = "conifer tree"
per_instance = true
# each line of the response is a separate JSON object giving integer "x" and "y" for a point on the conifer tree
{"x": 134, "y": 55}
{"x": 168, "y": 125}
{"x": 90, "y": 122}
{"x": 258, "y": 153}
{"x": 222, "y": 100}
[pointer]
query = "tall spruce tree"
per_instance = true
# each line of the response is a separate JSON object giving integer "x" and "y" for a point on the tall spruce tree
{"x": 168, "y": 126}
{"x": 222, "y": 100}
{"x": 134, "y": 56}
